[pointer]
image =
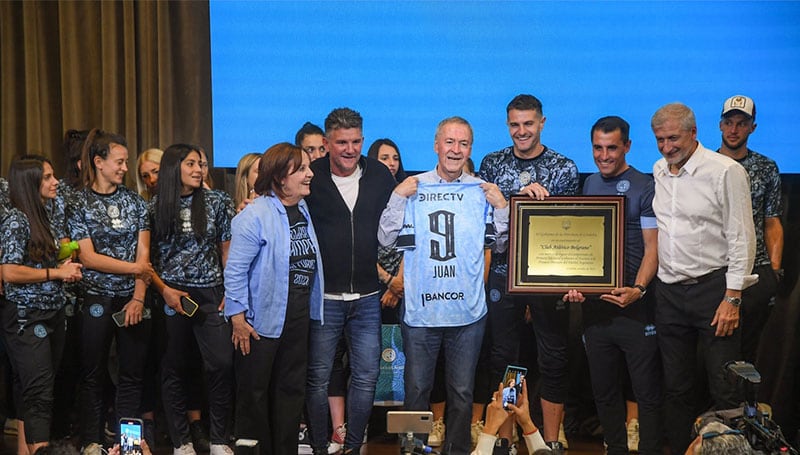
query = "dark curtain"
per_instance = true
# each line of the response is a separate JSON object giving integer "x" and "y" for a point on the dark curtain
{"x": 142, "y": 69}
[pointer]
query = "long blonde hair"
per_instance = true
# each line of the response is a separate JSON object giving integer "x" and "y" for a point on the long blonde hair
{"x": 154, "y": 156}
{"x": 240, "y": 181}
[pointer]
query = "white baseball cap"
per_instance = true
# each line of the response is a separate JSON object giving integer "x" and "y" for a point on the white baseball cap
{"x": 739, "y": 103}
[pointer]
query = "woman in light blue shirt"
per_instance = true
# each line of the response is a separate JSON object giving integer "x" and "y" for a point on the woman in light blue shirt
{"x": 273, "y": 282}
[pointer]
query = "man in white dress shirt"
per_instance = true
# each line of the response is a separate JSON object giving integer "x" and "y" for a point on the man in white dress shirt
{"x": 706, "y": 249}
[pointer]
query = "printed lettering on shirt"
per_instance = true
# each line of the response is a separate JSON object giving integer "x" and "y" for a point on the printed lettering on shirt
{"x": 443, "y": 237}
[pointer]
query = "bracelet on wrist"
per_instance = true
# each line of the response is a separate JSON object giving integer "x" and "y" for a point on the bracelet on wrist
{"x": 47, "y": 273}
{"x": 138, "y": 300}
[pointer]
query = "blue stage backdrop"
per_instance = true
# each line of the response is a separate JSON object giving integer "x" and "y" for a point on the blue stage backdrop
{"x": 405, "y": 65}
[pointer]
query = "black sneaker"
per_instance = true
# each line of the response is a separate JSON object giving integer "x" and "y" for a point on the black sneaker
{"x": 199, "y": 436}
{"x": 556, "y": 447}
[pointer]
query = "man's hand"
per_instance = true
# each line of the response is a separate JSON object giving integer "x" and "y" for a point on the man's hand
{"x": 573, "y": 296}
{"x": 396, "y": 286}
{"x": 726, "y": 319}
{"x": 242, "y": 331}
{"x": 389, "y": 299}
{"x": 535, "y": 191}
{"x": 622, "y": 297}
{"x": 407, "y": 188}
{"x": 494, "y": 196}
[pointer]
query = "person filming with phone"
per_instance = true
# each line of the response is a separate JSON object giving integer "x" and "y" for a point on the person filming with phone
{"x": 498, "y": 411}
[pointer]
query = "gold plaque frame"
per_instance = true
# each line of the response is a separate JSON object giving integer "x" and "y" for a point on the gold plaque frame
{"x": 566, "y": 242}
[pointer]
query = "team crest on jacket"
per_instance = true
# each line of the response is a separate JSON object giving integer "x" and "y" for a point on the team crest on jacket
{"x": 39, "y": 331}
{"x": 96, "y": 310}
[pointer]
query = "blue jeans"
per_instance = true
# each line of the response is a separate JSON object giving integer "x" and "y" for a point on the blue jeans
{"x": 359, "y": 321}
{"x": 461, "y": 346}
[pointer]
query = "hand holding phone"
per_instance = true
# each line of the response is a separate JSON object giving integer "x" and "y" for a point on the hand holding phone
{"x": 130, "y": 436}
{"x": 119, "y": 316}
{"x": 188, "y": 305}
{"x": 512, "y": 384}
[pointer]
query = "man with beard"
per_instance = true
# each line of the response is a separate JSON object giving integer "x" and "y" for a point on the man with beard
{"x": 531, "y": 168}
{"x": 738, "y": 122}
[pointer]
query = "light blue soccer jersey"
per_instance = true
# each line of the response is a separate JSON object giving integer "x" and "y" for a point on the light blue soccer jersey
{"x": 445, "y": 230}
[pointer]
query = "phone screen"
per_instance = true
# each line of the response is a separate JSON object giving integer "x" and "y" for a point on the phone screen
{"x": 188, "y": 305}
{"x": 512, "y": 384}
{"x": 119, "y": 318}
{"x": 130, "y": 437}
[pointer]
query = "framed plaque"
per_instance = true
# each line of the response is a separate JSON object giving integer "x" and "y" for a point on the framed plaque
{"x": 566, "y": 242}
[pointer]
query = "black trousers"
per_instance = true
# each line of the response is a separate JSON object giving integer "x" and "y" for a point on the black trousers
{"x": 35, "y": 348}
{"x": 209, "y": 331}
{"x": 195, "y": 387}
{"x": 610, "y": 347}
{"x": 550, "y": 320}
{"x": 271, "y": 387}
{"x": 504, "y": 326}
{"x": 98, "y": 328}
{"x": 756, "y": 306}
{"x": 683, "y": 318}
{"x": 65, "y": 407}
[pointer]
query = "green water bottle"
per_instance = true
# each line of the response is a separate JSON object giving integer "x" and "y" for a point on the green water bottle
{"x": 66, "y": 249}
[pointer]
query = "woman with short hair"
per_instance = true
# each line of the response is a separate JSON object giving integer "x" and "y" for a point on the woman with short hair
{"x": 273, "y": 237}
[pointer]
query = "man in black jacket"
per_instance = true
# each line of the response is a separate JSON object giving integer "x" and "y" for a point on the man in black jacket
{"x": 348, "y": 195}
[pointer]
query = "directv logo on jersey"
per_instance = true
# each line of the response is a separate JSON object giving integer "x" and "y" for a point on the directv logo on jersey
{"x": 441, "y": 197}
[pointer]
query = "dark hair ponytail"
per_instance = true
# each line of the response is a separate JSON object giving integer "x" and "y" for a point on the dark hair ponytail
{"x": 97, "y": 143}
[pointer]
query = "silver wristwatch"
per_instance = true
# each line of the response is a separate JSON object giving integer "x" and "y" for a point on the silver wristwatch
{"x": 735, "y": 301}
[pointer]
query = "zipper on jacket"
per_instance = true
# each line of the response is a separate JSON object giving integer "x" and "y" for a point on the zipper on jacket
{"x": 352, "y": 252}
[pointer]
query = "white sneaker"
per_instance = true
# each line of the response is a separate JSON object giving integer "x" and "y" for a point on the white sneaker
{"x": 220, "y": 449}
{"x": 562, "y": 437}
{"x": 436, "y": 437}
{"x": 92, "y": 449}
{"x": 475, "y": 431}
{"x": 10, "y": 427}
{"x": 186, "y": 449}
{"x": 633, "y": 435}
{"x": 337, "y": 439}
